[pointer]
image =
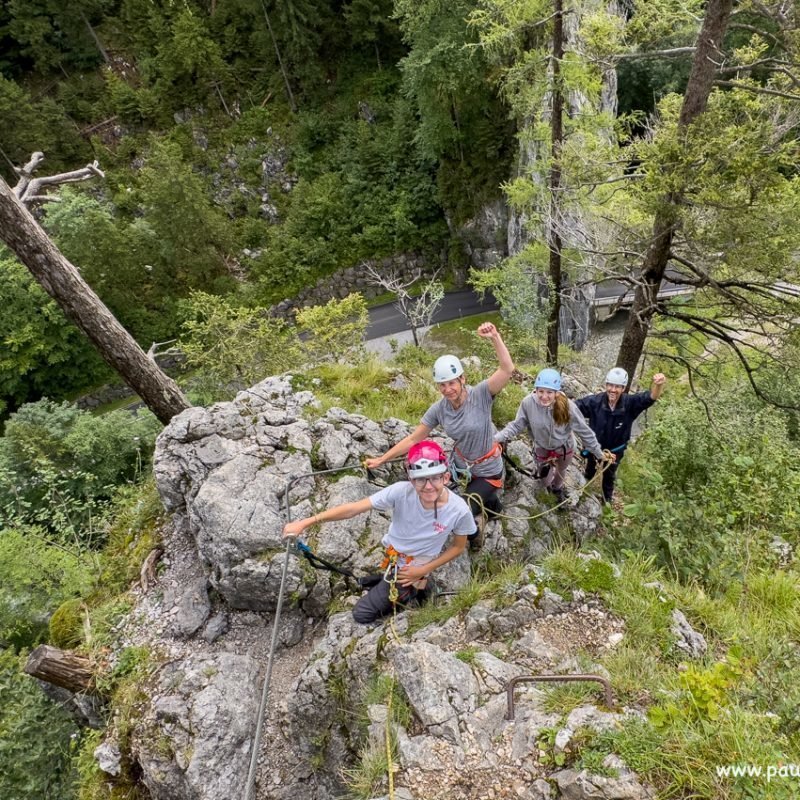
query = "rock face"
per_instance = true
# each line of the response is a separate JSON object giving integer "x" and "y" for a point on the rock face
{"x": 224, "y": 473}
{"x": 194, "y": 741}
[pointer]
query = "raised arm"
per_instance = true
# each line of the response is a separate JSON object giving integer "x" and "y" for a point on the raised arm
{"x": 502, "y": 375}
{"x": 402, "y": 447}
{"x": 657, "y": 386}
{"x": 343, "y": 511}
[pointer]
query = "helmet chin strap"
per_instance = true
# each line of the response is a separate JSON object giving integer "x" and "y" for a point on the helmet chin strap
{"x": 436, "y": 503}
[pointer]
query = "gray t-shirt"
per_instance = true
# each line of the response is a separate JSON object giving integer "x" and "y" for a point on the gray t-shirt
{"x": 470, "y": 426}
{"x": 415, "y": 530}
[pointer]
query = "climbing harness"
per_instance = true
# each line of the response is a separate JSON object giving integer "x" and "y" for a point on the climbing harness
{"x": 463, "y": 474}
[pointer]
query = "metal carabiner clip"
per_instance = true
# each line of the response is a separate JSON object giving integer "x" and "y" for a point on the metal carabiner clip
{"x": 390, "y": 573}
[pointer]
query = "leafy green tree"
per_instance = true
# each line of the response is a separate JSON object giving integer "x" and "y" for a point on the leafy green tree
{"x": 665, "y": 218}
{"x": 59, "y": 465}
{"x": 116, "y": 259}
{"x": 54, "y": 34}
{"x": 34, "y": 738}
{"x": 370, "y": 23}
{"x": 711, "y": 198}
{"x": 552, "y": 61}
{"x": 335, "y": 330}
{"x": 462, "y": 125}
{"x": 41, "y": 350}
{"x": 193, "y": 235}
{"x": 189, "y": 64}
{"x": 30, "y": 125}
{"x": 233, "y": 347}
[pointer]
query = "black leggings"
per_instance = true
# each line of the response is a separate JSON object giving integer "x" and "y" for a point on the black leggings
{"x": 487, "y": 493}
{"x": 376, "y": 604}
{"x": 609, "y": 475}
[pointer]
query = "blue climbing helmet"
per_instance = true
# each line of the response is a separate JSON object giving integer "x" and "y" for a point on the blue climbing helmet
{"x": 548, "y": 379}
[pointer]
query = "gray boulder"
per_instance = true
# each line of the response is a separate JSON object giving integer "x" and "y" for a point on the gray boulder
{"x": 582, "y": 785}
{"x": 439, "y": 687}
{"x": 193, "y": 742}
{"x": 686, "y": 637}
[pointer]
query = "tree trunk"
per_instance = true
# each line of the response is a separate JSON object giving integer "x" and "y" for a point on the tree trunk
{"x": 556, "y": 142}
{"x": 97, "y": 43}
{"x": 701, "y": 81}
{"x": 62, "y": 281}
{"x": 61, "y": 668}
{"x": 286, "y": 83}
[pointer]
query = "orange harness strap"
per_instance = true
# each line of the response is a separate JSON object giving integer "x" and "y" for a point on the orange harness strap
{"x": 496, "y": 451}
{"x": 391, "y": 556}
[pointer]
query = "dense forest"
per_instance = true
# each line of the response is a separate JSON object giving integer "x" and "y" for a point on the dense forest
{"x": 250, "y": 149}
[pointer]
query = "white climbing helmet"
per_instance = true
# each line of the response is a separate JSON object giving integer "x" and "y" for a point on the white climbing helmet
{"x": 446, "y": 368}
{"x": 617, "y": 376}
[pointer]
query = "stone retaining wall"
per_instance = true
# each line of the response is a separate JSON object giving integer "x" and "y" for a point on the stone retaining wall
{"x": 354, "y": 279}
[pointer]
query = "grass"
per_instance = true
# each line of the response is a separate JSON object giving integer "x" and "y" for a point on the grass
{"x": 562, "y": 698}
{"x": 498, "y": 586}
{"x": 736, "y": 706}
{"x": 367, "y": 779}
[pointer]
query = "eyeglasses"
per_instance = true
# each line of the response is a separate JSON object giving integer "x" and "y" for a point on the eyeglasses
{"x": 435, "y": 480}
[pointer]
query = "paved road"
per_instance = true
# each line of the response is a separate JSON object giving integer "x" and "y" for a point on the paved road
{"x": 386, "y": 320}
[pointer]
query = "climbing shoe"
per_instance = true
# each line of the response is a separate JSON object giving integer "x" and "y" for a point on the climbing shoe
{"x": 368, "y": 581}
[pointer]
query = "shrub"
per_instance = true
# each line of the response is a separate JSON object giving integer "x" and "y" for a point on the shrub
{"x": 35, "y": 578}
{"x": 66, "y": 624}
{"x": 710, "y": 498}
{"x": 336, "y": 330}
{"x": 34, "y": 738}
{"x": 234, "y": 346}
{"x": 58, "y": 466}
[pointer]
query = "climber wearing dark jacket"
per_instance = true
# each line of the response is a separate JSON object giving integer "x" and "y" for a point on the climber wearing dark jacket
{"x": 610, "y": 415}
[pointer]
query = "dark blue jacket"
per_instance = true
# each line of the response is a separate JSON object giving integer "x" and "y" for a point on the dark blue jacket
{"x": 613, "y": 428}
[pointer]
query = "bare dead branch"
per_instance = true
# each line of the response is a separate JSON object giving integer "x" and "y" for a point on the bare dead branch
{"x": 757, "y": 89}
{"x": 29, "y": 189}
{"x": 671, "y": 52}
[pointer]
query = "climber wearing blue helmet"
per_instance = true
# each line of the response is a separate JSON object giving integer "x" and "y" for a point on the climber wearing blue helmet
{"x": 551, "y": 420}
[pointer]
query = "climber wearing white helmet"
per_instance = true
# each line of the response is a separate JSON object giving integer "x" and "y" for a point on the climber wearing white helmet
{"x": 465, "y": 414}
{"x": 610, "y": 415}
{"x": 551, "y": 420}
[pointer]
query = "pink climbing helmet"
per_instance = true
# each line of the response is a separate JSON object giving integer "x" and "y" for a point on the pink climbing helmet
{"x": 426, "y": 458}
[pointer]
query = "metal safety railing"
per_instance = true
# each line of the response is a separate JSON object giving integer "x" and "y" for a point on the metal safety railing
{"x": 511, "y": 685}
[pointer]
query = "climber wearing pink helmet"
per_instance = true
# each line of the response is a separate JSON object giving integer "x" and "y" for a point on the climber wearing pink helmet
{"x": 424, "y": 513}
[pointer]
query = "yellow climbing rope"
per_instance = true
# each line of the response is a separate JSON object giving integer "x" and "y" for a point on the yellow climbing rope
{"x": 602, "y": 467}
